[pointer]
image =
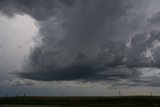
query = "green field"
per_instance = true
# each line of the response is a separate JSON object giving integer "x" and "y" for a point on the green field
{"x": 126, "y": 101}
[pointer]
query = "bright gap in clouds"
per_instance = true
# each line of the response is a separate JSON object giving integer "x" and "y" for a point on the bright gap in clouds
{"x": 16, "y": 40}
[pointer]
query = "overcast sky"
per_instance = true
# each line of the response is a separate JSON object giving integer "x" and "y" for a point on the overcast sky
{"x": 79, "y": 47}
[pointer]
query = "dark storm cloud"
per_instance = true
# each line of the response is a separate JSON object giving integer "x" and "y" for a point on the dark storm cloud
{"x": 143, "y": 51}
{"x": 38, "y": 9}
{"x": 84, "y": 49}
{"x": 86, "y": 40}
{"x": 155, "y": 19}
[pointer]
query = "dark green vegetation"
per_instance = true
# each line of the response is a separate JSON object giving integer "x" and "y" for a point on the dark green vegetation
{"x": 131, "y": 101}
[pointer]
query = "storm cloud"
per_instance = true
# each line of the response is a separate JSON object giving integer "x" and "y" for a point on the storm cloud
{"x": 89, "y": 40}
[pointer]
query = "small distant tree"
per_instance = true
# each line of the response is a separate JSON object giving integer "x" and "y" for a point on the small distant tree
{"x": 119, "y": 93}
{"x": 150, "y": 93}
{"x": 6, "y": 95}
{"x": 24, "y": 95}
{"x": 61, "y": 95}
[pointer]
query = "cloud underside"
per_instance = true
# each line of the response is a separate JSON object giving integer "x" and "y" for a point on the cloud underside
{"x": 91, "y": 40}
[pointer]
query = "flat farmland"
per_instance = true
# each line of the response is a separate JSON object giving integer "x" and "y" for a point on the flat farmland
{"x": 125, "y": 101}
{"x": 27, "y": 106}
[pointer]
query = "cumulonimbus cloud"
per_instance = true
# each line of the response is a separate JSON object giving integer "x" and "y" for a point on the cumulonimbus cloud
{"x": 87, "y": 40}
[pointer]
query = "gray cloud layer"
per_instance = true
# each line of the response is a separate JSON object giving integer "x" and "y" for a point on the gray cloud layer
{"x": 87, "y": 40}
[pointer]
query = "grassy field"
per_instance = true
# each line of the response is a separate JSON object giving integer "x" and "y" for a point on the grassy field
{"x": 128, "y": 101}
